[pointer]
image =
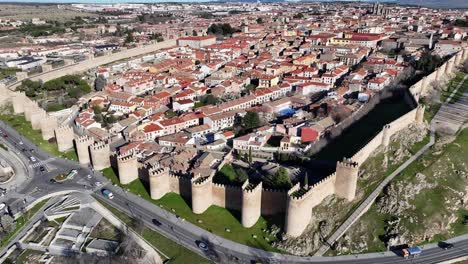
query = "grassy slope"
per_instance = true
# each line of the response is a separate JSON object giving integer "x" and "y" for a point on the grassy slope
{"x": 24, "y": 127}
{"x": 215, "y": 219}
{"x": 430, "y": 206}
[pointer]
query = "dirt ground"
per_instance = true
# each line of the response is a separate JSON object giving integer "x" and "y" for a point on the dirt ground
{"x": 45, "y": 12}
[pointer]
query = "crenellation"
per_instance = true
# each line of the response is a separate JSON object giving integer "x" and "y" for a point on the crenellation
{"x": 48, "y": 126}
{"x": 64, "y": 136}
{"x": 100, "y": 155}
{"x": 127, "y": 165}
{"x": 346, "y": 179}
{"x": 159, "y": 182}
{"x": 82, "y": 145}
{"x": 251, "y": 203}
{"x": 201, "y": 194}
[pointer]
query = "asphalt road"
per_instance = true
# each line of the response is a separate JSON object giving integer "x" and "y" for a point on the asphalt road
{"x": 220, "y": 250}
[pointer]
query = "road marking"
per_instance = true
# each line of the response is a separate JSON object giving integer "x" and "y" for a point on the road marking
{"x": 40, "y": 163}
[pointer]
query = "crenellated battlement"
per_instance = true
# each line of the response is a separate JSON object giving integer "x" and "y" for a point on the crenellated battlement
{"x": 158, "y": 171}
{"x": 126, "y": 158}
{"x": 347, "y": 163}
{"x": 85, "y": 139}
{"x": 323, "y": 181}
{"x": 99, "y": 145}
{"x": 64, "y": 136}
{"x": 249, "y": 188}
{"x": 200, "y": 181}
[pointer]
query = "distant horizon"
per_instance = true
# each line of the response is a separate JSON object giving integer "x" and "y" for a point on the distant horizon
{"x": 164, "y": 1}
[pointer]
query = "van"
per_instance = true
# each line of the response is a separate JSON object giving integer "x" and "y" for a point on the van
{"x": 107, "y": 193}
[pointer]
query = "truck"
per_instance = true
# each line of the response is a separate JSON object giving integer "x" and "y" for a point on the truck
{"x": 411, "y": 251}
{"x": 107, "y": 193}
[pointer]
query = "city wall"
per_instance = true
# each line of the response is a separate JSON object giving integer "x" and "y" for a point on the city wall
{"x": 299, "y": 201}
{"x": 96, "y": 61}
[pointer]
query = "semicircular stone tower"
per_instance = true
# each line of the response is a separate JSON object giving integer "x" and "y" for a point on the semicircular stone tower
{"x": 82, "y": 149}
{"x": 127, "y": 165}
{"x": 159, "y": 182}
{"x": 201, "y": 194}
{"x": 100, "y": 155}
{"x": 64, "y": 136}
{"x": 251, "y": 203}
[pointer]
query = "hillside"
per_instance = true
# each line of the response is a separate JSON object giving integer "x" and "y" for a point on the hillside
{"x": 428, "y": 202}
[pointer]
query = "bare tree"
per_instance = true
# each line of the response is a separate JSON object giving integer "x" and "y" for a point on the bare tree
{"x": 8, "y": 223}
{"x": 464, "y": 66}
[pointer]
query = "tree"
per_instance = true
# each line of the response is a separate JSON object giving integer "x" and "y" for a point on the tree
{"x": 298, "y": 16}
{"x": 242, "y": 176}
{"x": 464, "y": 67}
{"x": 209, "y": 99}
{"x": 281, "y": 179}
{"x": 306, "y": 179}
{"x": 250, "y": 156}
{"x": 97, "y": 110}
{"x": 259, "y": 20}
{"x": 129, "y": 38}
{"x": 100, "y": 83}
{"x": 194, "y": 33}
{"x": 251, "y": 120}
{"x": 8, "y": 223}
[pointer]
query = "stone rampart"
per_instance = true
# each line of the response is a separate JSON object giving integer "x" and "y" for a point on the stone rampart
{"x": 127, "y": 166}
{"x": 251, "y": 203}
{"x": 299, "y": 210}
{"x": 159, "y": 182}
{"x": 202, "y": 190}
{"x": 82, "y": 145}
{"x": 100, "y": 155}
{"x": 227, "y": 196}
{"x": 48, "y": 126}
{"x": 64, "y": 136}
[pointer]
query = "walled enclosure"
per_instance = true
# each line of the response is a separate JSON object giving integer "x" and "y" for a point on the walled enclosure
{"x": 204, "y": 193}
{"x": 298, "y": 202}
{"x": 127, "y": 167}
{"x": 100, "y": 155}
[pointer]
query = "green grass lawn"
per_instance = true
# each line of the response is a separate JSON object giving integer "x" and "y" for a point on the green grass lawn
{"x": 452, "y": 85}
{"x": 177, "y": 253}
{"x": 215, "y": 219}
{"x": 7, "y": 72}
{"x": 21, "y": 221}
{"x": 24, "y": 127}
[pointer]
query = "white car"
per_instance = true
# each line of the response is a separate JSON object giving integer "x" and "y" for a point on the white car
{"x": 98, "y": 184}
{"x": 33, "y": 159}
{"x": 89, "y": 176}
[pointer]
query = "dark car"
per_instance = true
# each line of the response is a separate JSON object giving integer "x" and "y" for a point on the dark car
{"x": 53, "y": 181}
{"x": 42, "y": 168}
{"x": 202, "y": 245}
{"x": 156, "y": 222}
{"x": 445, "y": 245}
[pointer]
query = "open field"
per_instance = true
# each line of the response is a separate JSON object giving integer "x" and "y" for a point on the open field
{"x": 41, "y": 11}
